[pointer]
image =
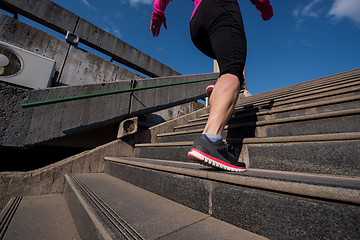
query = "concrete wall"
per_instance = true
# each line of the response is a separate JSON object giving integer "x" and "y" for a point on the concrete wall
{"x": 51, "y": 179}
{"x": 76, "y": 66}
{"x": 61, "y": 20}
{"x": 32, "y": 125}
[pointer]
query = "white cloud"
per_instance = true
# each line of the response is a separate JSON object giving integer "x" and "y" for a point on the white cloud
{"x": 309, "y": 11}
{"x": 301, "y": 13}
{"x": 116, "y": 31}
{"x": 86, "y": 3}
{"x": 135, "y": 2}
{"x": 111, "y": 27}
{"x": 346, "y": 9}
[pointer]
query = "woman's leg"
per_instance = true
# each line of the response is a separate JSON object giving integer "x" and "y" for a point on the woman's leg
{"x": 222, "y": 101}
{"x": 217, "y": 30}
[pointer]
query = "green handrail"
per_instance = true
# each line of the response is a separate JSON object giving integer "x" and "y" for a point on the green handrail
{"x": 51, "y": 101}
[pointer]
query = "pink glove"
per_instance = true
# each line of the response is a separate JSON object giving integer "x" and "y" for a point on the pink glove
{"x": 265, "y": 8}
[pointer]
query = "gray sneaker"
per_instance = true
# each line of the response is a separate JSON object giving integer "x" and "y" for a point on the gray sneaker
{"x": 214, "y": 154}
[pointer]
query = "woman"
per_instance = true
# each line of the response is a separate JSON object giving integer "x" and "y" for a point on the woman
{"x": 217, "y": 30}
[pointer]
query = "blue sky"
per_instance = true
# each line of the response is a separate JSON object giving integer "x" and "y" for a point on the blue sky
{"x": 306, "y": 39}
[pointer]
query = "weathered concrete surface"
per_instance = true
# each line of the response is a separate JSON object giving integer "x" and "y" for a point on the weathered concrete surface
{"x": 45, "y": 12}
{"x": 76, "y": 67}
{"x": 275, "y": 205}
{"x": 42, "y": 217}
{"x": 66, "y": 118}
{"x": 327, "y": 157}
{"x": 120, "y": 51}
{"x": 61, "y": 20}
{"x": 151, "y": 100}
{"x": 152, "y": 216}
{"x": 51, "y": 179}
{"x": 28, "y": 126}
{"x": 295, "y": 92}
{"x": 36, "y": 41}
{"x": 9, "y": 110}
{"x": 82, "y": 67}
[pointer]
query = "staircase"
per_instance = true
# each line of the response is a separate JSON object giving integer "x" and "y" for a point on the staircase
{"x": 301, "y": 145}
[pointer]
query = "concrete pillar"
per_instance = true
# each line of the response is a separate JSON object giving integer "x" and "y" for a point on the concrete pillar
{"x": 216, "y": 66}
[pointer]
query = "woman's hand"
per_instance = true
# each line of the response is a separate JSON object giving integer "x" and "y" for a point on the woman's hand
{"x": 265, "y": 8}
{"x": 155, "y": 26}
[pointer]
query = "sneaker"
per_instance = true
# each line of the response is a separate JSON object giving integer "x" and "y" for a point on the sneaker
{"x": 209, "y": 89}
{"x": 214, "y": 154}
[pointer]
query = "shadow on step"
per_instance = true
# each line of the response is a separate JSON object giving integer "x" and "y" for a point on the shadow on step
{"x": 243, "y": 125}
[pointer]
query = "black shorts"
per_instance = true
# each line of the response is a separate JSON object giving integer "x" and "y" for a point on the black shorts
{"x": 217, "y": 30}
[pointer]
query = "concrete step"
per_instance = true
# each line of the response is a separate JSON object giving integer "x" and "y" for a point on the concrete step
{"x": 324, "y": 94}
{"x": 335, "y": 154}
{"x": 319, "y": 123}
{"x": 307, "y": 89}
{"x": 277, "y": 205}
{"x": 293, "y": 98}
{"x": 257, "y": 114}
{"x": 106, "y": 207}
{"x": 172, "y": 151}
{"x": 329, "y": 88}
{"x": 37, "y": 217}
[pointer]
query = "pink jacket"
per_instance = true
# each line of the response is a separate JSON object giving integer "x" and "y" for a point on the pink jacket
{"x": 264, "y": 6}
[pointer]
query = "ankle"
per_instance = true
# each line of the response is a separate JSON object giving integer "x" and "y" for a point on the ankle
{"x": 212, "y": 137}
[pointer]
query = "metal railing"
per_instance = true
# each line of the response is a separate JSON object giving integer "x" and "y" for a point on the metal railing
{"x": 51, "y": 101}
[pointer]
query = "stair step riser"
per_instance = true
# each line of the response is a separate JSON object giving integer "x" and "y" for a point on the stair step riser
{"x": 336, "y": 158}
{"x": 351, "y": 89}
{"x": 276, "y": 112}
{"x": 262, "y": 115}
{"x": 269, "y": 115}
{"x": 256, "y": 210}
{"x": 179, "y": 138}
{"x": 337, "y": 124}
{"x": 285, "y": 96}
{"x": 178, "y": 153}
{"x": 328, "y": 96}
{"x": 342, "y": 124}
{"x": 323, "y": 157}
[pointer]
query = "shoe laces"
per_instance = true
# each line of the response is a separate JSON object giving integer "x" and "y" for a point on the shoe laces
{"x": 230, "y": 149}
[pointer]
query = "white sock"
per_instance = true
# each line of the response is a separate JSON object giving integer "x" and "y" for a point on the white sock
{"x": 213, "y": 137}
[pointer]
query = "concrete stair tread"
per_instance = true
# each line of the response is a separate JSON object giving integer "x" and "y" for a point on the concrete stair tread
{"x": 40, "y": 217}
{"x": 335, "y": 153}
{"x": 153, "y": 216}
{"x": 333, "y": 82}
{"x": 274, "y": 206}
{"x": 293, "y": 97}
{"x": 282, "y": 139}
{"x": 265, "y": 110}
{"x": 339, "y": 92}
{"x": 315, "y": 116}
{"x": 314, "y": 185}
